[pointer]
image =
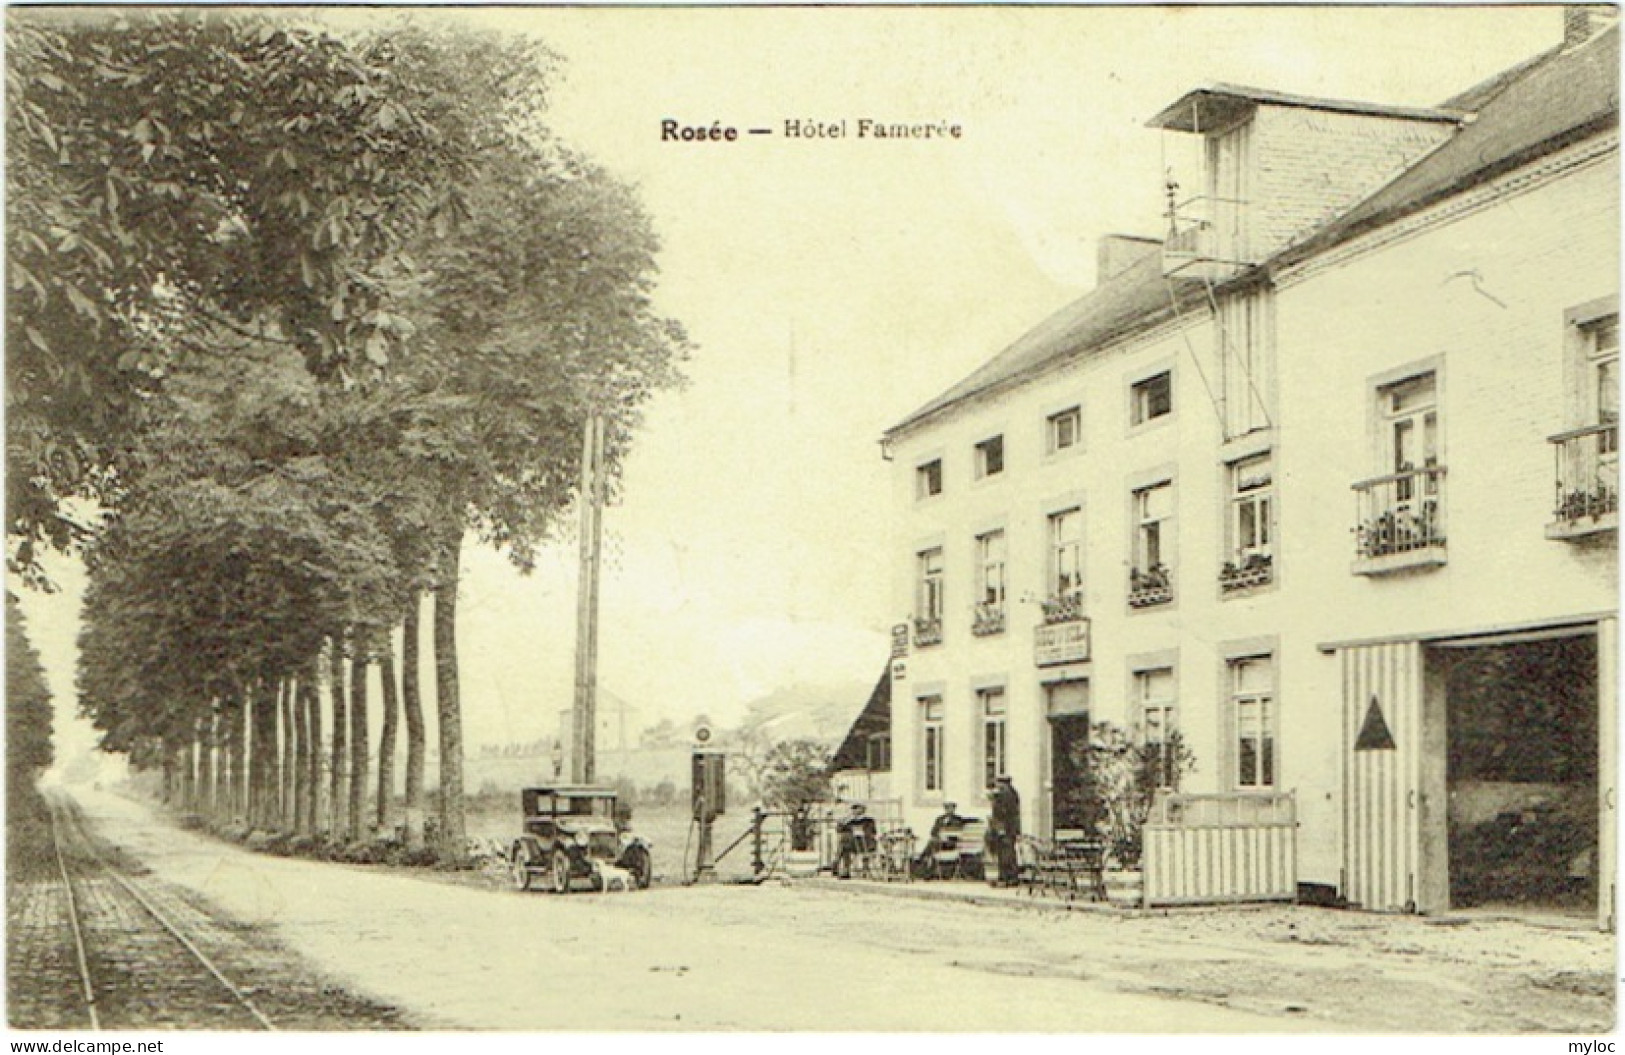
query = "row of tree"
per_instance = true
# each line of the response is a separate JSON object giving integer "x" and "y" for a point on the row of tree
{"x": 292, "y": 311}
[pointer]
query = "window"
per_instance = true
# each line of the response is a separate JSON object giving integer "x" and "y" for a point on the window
{"x": 1065, "y": 430}
{"x": 1151, "y": 577}
{"x": 928, "y": 479}
{"x": 1252, "y": 702}
{"x": 993, "y": 714}
{"x": 1065, "y": 600}
{"x": 877, "y": 755}
{"x": 1401, "y": 511}
{"x": 990, "y": 457}
{"x": 931, "y": 743}
{"x": 1152, "y": 398}
{"x": 1411, "y": 420}
{"x": 928, "y": 617}
{"x": 1154, "y": 700}
{"x": 1602, "y": 359}
{"x": 1588, "y": 451}
{"x": 989, "y": 583}
{"x": 1249, "y": 526}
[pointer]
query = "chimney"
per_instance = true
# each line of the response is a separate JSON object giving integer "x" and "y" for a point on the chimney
{"x": 1117, "y": 252}
{"x": 1581, "y": 22}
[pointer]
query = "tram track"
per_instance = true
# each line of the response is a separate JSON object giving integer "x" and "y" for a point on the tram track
{"x": 138, "y": 966}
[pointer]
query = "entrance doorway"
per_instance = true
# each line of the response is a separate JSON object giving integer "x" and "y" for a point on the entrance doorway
{"x": 1067, "y": 705}
{"x": 1521, "y": 766}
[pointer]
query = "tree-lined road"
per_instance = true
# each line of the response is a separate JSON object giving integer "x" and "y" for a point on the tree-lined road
{"x": 814, "y": 957}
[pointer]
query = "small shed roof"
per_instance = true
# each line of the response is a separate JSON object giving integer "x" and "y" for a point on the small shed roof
{"x": 874, "y": 718}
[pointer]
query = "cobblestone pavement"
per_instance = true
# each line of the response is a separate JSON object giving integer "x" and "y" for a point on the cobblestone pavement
{"x": 143, "y": 976}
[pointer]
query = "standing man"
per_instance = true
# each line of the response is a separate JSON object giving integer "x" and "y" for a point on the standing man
{"x": 1005, "y": 828}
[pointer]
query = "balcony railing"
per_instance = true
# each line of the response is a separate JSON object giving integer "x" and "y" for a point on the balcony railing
{"x": 1587, "y": 481}
{"x": 1400, "y": 520}
{"x": 988, "y": 619}
{"x": 1195, "y": 246}
{"x": 927, "y": 630}
{"x": 1063, "y": 608}
{"x": 1150, "y": 586}
{"x": 1244, "y": 573}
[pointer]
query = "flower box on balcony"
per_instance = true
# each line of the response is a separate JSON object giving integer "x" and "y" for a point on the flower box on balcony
{"x": 927, "y": 631}
{"x": 1400, "y": 525}
{"x": 1153, "y": 586}
{"x": 1065, "y": 608}
{"x": 989, "y": 619}
{"x": 1587, "y": 481}
{"x": 1258, "y": 569}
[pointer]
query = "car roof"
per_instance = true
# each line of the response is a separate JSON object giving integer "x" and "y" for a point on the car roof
{"x": 573, "y": 790}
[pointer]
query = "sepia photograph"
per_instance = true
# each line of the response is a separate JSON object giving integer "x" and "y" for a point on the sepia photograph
{"x": 812, "y": 520}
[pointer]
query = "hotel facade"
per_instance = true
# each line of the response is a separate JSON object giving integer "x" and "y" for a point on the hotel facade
{"x": 1323, "y": 481}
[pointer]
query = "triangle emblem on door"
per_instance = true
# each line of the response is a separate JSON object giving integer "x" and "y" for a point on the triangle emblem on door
{"x": 1374, "y": 734}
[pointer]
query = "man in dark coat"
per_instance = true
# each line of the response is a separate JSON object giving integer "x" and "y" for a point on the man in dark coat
{"x": 1004, "y": 828}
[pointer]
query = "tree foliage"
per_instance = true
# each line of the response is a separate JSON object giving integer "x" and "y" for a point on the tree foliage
{"x": 295, "y": 310}
{"x": 28, "y": 707}
{"x": 796, "y": 775}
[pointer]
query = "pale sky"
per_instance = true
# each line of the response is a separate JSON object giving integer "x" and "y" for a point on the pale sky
{"x": 832, "y": 286}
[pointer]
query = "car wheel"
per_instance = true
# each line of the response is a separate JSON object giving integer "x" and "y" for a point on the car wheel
{"x": 521, "y": 867}
{"x": 637, "y": 862}
{"x": 561, "y": 872}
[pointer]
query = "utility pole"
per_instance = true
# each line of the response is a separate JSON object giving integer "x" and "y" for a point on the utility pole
{"x": 584, "y": 716}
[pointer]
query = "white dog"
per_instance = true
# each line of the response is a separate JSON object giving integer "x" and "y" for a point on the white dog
{"x": 611, "y": 876}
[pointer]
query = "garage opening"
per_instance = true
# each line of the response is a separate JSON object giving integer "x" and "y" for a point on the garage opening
{"x": 1522, "y": 771}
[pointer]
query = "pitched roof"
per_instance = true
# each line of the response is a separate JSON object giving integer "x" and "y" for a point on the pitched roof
{"x": 1530, "y": 110}
{"x": 874, "y": 718}
{"x": 1558, "y": 99}
{"x": 1136, "y": 298}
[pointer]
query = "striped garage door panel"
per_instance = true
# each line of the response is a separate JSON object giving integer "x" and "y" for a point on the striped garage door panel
{"x": 1382, "y": 690}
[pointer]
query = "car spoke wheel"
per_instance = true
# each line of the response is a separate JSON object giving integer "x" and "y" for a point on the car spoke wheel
{"x": 638, "y": 863}
{"x": 561, "y": 872}
{"x": 521, "y": 868}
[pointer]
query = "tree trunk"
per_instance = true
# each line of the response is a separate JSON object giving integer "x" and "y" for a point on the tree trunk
{"x": 286, "y": 743}
{"x": 386, "y": 741}
{"x": 231, "y": 720}
{"x": 305, "y": 774}
{"x": 337, "y": 797}
{"x": 264, "y": 766}
{"x": 313, "y": 750}
{"x": 452, "y": 829}
{"x": 205, "y": 767}
{"x": 188, "y": 773}
{"x": 358, "y": 744}
{"x": 412, "y": 704}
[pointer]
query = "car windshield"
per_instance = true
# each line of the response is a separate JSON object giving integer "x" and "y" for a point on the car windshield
{"x": 593, "y": 806}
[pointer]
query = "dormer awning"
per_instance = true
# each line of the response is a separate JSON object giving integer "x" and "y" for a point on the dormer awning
{"x": 1215, "y": 107}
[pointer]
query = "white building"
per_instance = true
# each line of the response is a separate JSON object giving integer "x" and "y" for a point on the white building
{"x": 1325, "y": 481}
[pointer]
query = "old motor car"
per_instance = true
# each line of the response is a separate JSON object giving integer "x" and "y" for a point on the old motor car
{"x": 570, "y": 834}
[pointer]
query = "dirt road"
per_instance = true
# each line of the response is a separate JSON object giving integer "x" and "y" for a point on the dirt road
{"x": 818, "y": 957}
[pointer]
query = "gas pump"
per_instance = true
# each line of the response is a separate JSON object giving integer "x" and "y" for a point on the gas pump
{"x": 708, "y": 782}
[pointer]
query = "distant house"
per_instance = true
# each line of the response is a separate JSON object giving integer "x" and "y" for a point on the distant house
{"x": 861, "y": 766}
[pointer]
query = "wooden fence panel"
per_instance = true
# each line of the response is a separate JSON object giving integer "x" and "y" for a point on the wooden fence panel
{"x": 1212, "y": 849}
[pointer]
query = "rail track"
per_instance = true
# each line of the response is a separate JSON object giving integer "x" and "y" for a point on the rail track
{"x": 138, "y": 966}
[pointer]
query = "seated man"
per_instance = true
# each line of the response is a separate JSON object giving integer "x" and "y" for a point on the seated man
{"x": 856, "y": 835}
{"x": 944, "y": 837}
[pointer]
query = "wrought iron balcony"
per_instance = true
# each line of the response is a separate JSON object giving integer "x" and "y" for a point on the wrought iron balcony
{"x": 1400, "y": 521}
{"x": 1063, "y": 608}
{"x": 927, "y": 630}
{"x": 988, "y": 619}
{"x": 1587, "y": 482}
{"x": 1151, "y": 586}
